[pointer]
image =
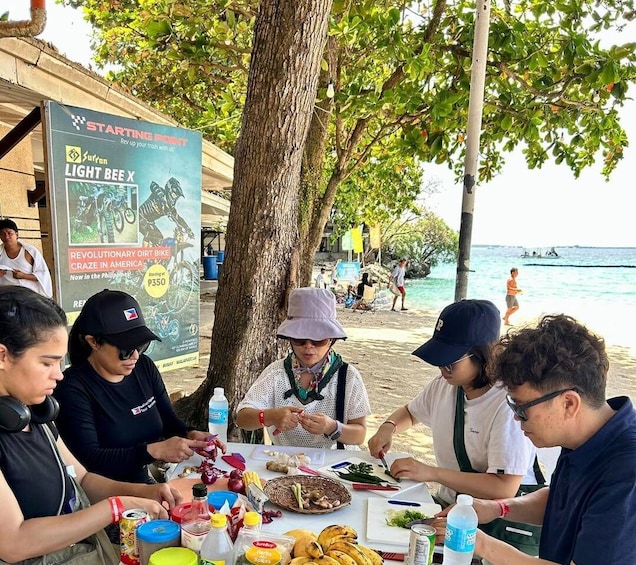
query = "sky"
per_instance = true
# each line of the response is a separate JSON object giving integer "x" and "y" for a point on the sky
{"x": 521, "y": 207}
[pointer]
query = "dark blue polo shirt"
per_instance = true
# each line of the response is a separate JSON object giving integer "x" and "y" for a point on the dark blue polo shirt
{"x": 590, "y": 517}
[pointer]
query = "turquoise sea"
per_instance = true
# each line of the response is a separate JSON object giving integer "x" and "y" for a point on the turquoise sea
{"x": 595, "y": 285}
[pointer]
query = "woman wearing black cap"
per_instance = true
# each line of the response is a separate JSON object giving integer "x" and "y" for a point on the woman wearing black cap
{"x": 497, "y": 449}
{"x": 115, "y": 414}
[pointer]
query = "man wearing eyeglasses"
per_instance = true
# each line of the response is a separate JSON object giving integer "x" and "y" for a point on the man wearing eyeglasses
{"x": 556, "y": 375}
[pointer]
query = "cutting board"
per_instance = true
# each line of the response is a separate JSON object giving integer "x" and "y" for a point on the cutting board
{"x": 260, "y": 452}
{"x": 378, "y": 471}
{"x": 379, "y": 531}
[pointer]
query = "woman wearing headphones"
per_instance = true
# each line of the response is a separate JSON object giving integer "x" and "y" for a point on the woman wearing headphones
{"x": 44, "y": 489}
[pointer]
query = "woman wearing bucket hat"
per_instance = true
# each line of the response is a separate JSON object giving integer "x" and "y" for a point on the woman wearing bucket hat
{"x": 497, "y": 449}
{"x": 310, "y": 398}
{"x": 115, "y": 414}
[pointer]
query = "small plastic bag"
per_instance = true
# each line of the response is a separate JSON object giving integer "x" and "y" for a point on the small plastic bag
{"x": 261, "y": 548}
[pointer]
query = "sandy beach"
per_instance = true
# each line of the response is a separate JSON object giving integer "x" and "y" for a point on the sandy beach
{"x": 379, "y": 344}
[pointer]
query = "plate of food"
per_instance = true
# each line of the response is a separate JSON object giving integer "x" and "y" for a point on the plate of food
{"x": 307, "y": 494}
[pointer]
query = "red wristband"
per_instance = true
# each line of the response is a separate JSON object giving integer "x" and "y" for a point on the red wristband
{"x": 261, "y": 417}
{"x": 504, "y": 509}
{"x": 392, "y": 423}
{"x": 116, "y": 509}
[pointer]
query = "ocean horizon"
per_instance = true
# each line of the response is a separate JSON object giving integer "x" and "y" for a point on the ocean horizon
{"x": 595, "y": 285}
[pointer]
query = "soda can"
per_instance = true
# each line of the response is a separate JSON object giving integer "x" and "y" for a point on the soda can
{"x": 130, "y": 520}
{"x": 421, "y": 545}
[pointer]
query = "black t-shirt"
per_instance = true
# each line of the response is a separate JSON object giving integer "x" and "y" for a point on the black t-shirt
{"x": 361, "y": 286}
{"x": 34, "y": 474}
{"x": 107, "y": 426}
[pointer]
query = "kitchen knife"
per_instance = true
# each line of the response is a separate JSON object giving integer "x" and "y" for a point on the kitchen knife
{"x": 390, "y": 555}
{"x": 371, "y": 486}
{"x": 403, "y": 503}
{"x": 309, "y": 470}
{"x": 386, "y": 468}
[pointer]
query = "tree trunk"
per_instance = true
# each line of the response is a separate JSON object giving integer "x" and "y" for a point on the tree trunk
{"x": 312, "y": 170}
{"x": 261, "y": 259}
{"x": 319, "y": 219}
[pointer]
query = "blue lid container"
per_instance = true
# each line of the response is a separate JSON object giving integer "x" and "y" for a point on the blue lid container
{"x": 217, "y": 498}
{"x": 158, "y": 531}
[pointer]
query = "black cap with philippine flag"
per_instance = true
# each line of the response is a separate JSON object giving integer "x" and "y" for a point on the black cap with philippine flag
{"x": 116, "y": 316}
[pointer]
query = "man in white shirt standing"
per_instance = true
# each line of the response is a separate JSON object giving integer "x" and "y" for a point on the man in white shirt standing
{"x": 397, "y": 278}
{"x": 321, "y": 281}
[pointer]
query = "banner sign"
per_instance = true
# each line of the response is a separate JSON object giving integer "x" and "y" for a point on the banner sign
{"x": 348, "y": 270}
{"x": 125, "y": 199}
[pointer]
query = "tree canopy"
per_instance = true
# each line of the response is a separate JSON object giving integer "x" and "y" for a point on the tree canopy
{"x": 401, "y": 74}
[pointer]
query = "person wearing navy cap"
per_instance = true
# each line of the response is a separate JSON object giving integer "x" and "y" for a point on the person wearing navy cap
{"x": 115, "y": 413}
{"x": 500, "y": 456}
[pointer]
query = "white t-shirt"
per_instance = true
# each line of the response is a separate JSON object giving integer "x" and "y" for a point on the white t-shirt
{"x": 320, "y": 281}
{"x": 268, "y": 391}
{"x": 493, "y": 439}
{"x": 398, "y": 275}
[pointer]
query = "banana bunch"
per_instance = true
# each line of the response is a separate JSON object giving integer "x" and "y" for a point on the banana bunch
{"x": 251, "y": 477}
{"x": 335, "y": 545}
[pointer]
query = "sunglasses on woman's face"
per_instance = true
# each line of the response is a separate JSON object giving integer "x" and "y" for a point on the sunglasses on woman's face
{"x": 301, "y": 342}
{"x": 449, "y": 368}
{"x": 125, "y": 354}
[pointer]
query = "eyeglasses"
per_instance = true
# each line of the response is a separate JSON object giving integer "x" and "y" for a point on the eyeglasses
{"x": 449, "y": 368}
{"x": 301, "y": 342}
{"x": 520, "y": 409}
{"x": 125, "y": 354}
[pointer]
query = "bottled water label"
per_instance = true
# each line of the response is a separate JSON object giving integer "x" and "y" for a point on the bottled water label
{"x": 459, "y": 539}
{"x": 218, "y": 415}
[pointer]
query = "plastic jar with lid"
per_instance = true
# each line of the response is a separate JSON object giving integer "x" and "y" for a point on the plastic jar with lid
{"x": 174, "y": 556}
{"x": 156, "y": 535}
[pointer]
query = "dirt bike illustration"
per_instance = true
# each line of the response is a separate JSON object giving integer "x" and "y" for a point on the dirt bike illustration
{"x": 183, "y": 274}
{"x": 122, "y": 211}
{"x": 163, "y": 324}
{"x": 97, "y": 209}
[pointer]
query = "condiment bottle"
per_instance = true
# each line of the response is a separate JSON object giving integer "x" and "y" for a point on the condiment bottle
{"x": 251, "y": 521}
{"x": 217, "y": 548}
{"x": 196, "y": 523}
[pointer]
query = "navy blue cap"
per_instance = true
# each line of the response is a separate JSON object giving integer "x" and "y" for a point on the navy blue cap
{"x": 460, "y": 326}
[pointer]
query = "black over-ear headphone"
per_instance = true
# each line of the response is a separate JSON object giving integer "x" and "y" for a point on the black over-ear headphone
{"x": 15, "y": 416}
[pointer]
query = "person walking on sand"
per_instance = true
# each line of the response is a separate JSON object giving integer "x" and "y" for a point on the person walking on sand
{"x": 511, "y": 295}
{"x": 397, "y": 278}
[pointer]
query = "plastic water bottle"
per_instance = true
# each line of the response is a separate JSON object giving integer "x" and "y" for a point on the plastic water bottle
{"x": 217, "y": 548}
{"x": 461, "y": 532}
{"x": 218, "y": 411}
